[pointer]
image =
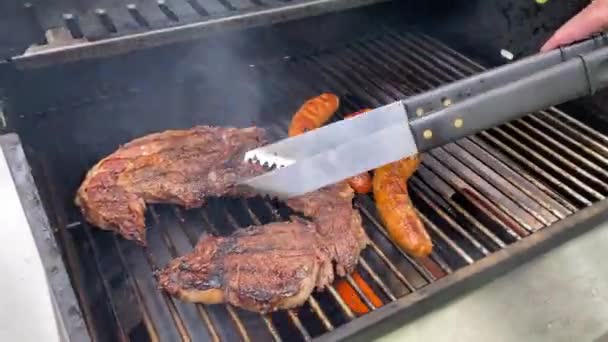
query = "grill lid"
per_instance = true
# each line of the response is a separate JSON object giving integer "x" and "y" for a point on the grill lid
{"x": 105, "y": 27}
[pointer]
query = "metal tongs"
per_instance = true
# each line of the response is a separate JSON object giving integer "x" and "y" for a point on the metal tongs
{"x": 401, "y": 129}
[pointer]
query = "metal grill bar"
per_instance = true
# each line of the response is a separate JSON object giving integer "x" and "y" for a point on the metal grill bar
{"x": 423, "y": 188}
{"x": 561, "y": 136}
{"x": 423, "y": 271}
{"x": 516, "y": 180}
{"x": 434, "y": 229}
{"x": 296, "y": 321}
{"x": 152, "y": 332}
{"x": 553, "y": 115}
{"x": 201, "y": 309}
{"x": 319, "y": 311}
{"x": 360, "y": 293}
{"x": 377, "y": 279}
{"x": 572, "y": 154}
{"x": 533, "y": 166}
{"x": 106, "y": 287}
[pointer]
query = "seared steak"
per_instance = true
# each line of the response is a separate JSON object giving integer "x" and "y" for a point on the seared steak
{"x": 262, "y": 268}
{"x": 338, "y": 224}
{"x": 175, "y": 166}
{"x": 274, "y": 266}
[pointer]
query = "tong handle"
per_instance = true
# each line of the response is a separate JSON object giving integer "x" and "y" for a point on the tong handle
{"x": 438, "y": 98}
{"x": 577, "y": 77}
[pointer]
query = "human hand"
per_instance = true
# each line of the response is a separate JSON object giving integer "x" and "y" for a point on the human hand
{"x": 592, "y": 19}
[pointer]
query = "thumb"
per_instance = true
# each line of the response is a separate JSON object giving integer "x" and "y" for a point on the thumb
{"x": 592, "y": 19}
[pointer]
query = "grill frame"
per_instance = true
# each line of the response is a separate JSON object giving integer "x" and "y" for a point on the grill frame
{"x": 50, "y": 253}
{"x": 413, "y": 302}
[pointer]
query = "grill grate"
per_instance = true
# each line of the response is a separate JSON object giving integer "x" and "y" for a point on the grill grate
{"x": 475, "y": 196}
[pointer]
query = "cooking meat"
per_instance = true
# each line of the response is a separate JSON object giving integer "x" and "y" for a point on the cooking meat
{"x": 395, "y": 207}
{"x": 175, "y": 166}
{"x": 338, "y": 224}
{"x": 262, "y": 268}
{"x": 278, "y": 265}
{"x": 313, "y": 113}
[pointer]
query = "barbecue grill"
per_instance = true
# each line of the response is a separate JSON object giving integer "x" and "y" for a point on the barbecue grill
{"x": 81, "y": 78}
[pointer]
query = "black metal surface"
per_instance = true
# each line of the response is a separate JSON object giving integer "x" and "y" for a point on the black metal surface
{"x": 114, "y": 28}
{"x": 483, "y": 28}
{"x": 54, "y": 267}
{"x": 476, "y": 196}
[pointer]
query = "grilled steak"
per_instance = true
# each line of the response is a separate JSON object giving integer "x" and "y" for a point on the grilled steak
{"x": 338, "y": 224}
{"x": 262, "y": 268}
{"x": 275, "y": 266}
{"x": 176, "y": 166}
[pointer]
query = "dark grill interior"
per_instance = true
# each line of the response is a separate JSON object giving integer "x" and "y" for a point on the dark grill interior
{"x": 475, "y": 196}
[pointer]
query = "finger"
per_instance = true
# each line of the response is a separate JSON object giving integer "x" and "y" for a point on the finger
{"x": 594, "y": 18}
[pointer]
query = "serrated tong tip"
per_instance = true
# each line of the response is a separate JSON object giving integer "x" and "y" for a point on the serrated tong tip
{"x": 267, "y": 160}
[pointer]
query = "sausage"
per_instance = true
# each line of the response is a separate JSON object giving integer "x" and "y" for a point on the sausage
{"x": 395, "y": 207}
{"x": 361, "y": 183}
{"x": 314, "y": 113}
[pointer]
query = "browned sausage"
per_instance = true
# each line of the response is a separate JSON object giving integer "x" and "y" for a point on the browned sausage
{"x": 395, "y": 207}
{"x": 361, "y": 183}
{"x": 314, "y": 113}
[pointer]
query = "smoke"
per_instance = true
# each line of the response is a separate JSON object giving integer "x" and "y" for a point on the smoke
{"x": 220, "y": 84}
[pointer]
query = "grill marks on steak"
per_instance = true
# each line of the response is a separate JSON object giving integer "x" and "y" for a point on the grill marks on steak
{"x": 274, "y": 266}
{"x": 338, "y": 224}
{"x": 176, "y": 166}
{"x": 260, "y": 268}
